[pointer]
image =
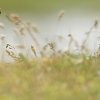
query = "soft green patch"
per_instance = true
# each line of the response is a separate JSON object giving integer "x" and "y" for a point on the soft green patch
{"x": 48, "y": 79}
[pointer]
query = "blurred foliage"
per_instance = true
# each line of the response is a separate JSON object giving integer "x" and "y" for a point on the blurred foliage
{"x": 38, "y": 6}
{"x": 62, "y": 75}
{"x": 65, "y": 76}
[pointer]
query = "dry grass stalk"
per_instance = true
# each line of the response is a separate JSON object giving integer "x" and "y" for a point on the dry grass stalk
{"x": 14, "y": 18}
{"x": 31, "y": 35}
{"x": 3, "y": 41}
{"x": 11, "y": 53}
{"x": 52, "y": 45}
{"x": 8, "y": 46}
{"x": 96, "y": 23}
{"x": 19, "y": 35}
{"x": 33, "y": 27}
{"x": 20, "y": 46}
{"x": 25, "y": 26}
{"x": 33, "y": 50}
{"x": 22, "y": 30}
{"x": 61, "y": 14}
{"x": 94, "y": 26}
{"x": 70, "y": 41}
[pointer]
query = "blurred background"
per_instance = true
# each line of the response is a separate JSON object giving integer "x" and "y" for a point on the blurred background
{"x": 48, "y": 6}
{"x": 79, "y": 16}
{"x": 62, "y": 76}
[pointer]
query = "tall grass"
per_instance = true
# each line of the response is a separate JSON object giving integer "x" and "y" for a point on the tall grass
{"x": 54, "y": 75}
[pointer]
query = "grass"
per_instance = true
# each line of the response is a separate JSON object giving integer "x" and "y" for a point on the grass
{"x": 70, "y": 77}
{"x": 59, "y": 75}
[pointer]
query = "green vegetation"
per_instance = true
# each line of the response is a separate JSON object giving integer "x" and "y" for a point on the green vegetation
{"x": 37, "y": 6}
{"x": 65, "y": 76}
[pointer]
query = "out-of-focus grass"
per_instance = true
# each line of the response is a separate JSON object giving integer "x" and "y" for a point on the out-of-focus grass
{"x": 54, "y": 75}
{"x": 65, "y": 76}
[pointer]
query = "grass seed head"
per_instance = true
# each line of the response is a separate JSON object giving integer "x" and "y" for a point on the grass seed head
{"x": 33, "y": 27}
{"x": 33, "y": 50}
{"x": 61, "y": 14}
{"x": 96, "y": 22}
{"x": 14, "y": 18}
{"x": 52, "y": 45}
{"x": 20, "y": 46}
